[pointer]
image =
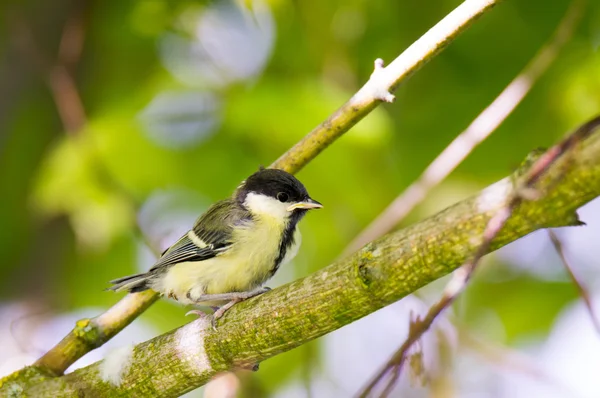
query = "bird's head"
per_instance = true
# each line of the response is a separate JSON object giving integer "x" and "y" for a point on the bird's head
{"x": 275, "y": 193}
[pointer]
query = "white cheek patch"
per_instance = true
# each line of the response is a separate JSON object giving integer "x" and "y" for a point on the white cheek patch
{"x": 266, "y": 206}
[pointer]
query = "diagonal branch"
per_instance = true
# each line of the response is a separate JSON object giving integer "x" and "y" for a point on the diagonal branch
{"x": 479, "y": 130}
{"x": 58, "y": 73}
{"x": 379, "y": 274}
{"x": 576, "y": 281}
{"x": 383, "y": 80}
{"x": 524, "y": 190}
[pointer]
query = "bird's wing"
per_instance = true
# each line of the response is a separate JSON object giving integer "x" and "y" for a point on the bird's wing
{"x": 210, "y": 236}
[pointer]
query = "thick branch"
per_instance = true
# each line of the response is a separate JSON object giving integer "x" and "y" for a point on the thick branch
{"x": 97, "y": 331}
{"x": 379, "y": 274}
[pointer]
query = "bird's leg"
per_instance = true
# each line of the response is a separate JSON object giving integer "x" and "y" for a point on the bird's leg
{"x": 233, "y": 298}
{"x": 228, "y": 296}
{"x": 219, "y": 313}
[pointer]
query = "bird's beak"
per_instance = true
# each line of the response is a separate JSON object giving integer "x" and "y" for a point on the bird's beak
{"x": 307, "y": 205}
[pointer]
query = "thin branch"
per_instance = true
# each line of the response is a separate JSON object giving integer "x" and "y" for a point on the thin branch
{"x": 578, "y": 284}
{"x": 67, "y": 99}
{"x": 479, "y": 130}
{"x": 378, "y": 275}
{"x": 382, "y": 83}
{"x": 60, "y": 79}
{"x": 377, "y": 89}
{"x": 524, "y": 190}
{"x": 89, "y": 334}
{"x": 61, "y": 83}
{"x": 73, "y": 38}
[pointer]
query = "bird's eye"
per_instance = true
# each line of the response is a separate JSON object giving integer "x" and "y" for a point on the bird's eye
{"x": 282, "y": 197}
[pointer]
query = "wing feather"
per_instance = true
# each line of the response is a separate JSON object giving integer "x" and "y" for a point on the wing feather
{"x": 214, "y": 228}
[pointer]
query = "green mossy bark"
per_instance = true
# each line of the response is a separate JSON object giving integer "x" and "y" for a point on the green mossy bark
{"x": 381, "y": 273}
{"x": 92, "y": 333}
{"x": 14, "y": 385}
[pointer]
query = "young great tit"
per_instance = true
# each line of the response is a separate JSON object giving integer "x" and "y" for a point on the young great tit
{"x": 233, "y": 248}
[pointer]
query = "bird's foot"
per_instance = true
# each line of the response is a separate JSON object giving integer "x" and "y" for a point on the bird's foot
{"x": 203, "y": 315}
{"x": 227, "y": 296}
{"x": 199, "y": 313}
{"x": 221, "y": 311}
{"x": 233, "y": 297}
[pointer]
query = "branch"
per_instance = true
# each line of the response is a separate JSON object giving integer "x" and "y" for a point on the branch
{"x": 578, "y": 284}
{"x": 383, "y": 80}
{"x": 479, "y": 130}
{"x": 379, "y": 274}
{"x": 57, "y": 73}
{"x": 525, "y": 189}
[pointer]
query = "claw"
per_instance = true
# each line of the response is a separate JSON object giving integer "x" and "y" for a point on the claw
{"x": 233, "y": 298}
{"x": 201, "y": 314}
{"x": 218, "y": 313}
{"x": 204, "y": 315}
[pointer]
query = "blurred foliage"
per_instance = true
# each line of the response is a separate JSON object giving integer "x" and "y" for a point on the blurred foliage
{"x": 192, "y": 96}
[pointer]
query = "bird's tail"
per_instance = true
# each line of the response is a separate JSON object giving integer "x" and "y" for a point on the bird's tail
{"x": 132, "y": 283}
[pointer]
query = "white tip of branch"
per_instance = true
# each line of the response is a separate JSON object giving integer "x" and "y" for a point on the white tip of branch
{"x": 378, "y": 83}
{"x": 115, "y": 364}
{"x": 387, "y": 97}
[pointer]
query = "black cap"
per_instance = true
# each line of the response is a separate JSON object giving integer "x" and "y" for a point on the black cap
{"x": 275, "y": 183}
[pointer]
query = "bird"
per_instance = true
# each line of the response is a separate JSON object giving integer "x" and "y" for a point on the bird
{"x": 233, "y": 248}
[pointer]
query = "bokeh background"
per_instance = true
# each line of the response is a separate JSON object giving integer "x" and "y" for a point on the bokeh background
{"x": 121, "y": 121}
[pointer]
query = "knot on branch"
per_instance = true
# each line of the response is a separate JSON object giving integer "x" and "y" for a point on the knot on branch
{"x": 363, "y": 271}
{"x": 379, "y": 83}
{"x": 88, "y": 332}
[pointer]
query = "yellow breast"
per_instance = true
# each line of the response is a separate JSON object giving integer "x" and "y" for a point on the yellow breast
{"x": 245, "y": 266}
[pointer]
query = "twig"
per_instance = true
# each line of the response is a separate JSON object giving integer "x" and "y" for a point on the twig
{"x": 349, "y": 289}
{"x": 73, "y": 38}
{"x": 524, "y": 190}
{"x": 578, "y": 284}
{"x": 377, "y": 89}
{"x": 479, "y": 130}
{"x": 60, "y": 79}
{"x": 56, "y": 74}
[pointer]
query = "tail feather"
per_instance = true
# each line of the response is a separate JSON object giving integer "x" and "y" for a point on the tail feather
{"x": 132, "y": 283}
